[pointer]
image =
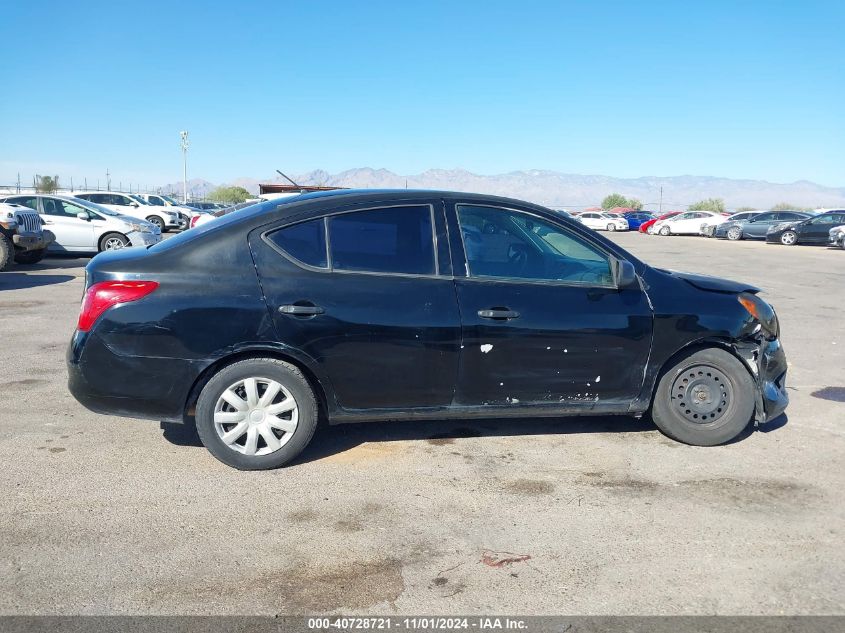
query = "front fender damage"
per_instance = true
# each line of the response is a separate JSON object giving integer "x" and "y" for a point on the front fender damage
{"x": 766, "y": 361}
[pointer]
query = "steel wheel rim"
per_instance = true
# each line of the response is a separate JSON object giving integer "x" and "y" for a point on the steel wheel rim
{"x": 256, "y": 416}
{"x": 114, "y": 244}
{"x": 788, "y": 238}
{"x": 734, "y": 233}
{"x": 702, "y": 394}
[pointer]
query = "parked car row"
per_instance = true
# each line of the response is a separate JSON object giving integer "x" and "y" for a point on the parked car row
{"x": 82, "y": 226}
{"x": 93, "y": 221}
{"x": 776, "y": 227}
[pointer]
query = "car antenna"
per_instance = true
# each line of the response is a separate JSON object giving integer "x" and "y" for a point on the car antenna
{"x": 288, "y": 179}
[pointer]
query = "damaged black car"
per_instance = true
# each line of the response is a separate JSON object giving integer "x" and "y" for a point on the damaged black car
{"x": 409, "y": 305}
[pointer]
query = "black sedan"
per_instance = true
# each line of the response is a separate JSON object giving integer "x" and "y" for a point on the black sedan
{"x": 756, "y": 226}
{"x": 388, "y": 305}
{"x": 813, "y": 230}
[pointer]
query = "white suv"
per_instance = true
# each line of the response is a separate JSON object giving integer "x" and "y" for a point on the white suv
{"x": 174, "y": 206}
{"x": 129, "y": 204}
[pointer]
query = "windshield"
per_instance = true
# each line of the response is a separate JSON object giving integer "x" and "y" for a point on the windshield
{"x": 137, "y": 199}
{"x": 175, "y": 203}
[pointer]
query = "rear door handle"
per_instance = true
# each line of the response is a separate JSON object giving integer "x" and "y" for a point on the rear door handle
{"x": 498, "y": 314}
{"x": 298, "y": 310}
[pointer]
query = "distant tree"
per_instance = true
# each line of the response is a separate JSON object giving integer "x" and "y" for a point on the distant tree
{"x": 46, "y": 184}
{"x": 618, "y": 200}
{"x": 788, "y": 206}
{"x": 710, "y": 204}
{"x": 740, "y": 209}
{"x": 233, "y": 195}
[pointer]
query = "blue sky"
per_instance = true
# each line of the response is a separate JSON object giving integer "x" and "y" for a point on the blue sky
{"x": 736, "y": 89}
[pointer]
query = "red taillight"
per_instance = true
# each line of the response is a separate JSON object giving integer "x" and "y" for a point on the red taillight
{"x": 102, "y": 296}
{"x": 194, "y": 220}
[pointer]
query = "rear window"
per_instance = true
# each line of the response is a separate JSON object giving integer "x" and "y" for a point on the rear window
{"x": 391, "y": 240}
{"x": 219, "y": 223}
{"x": 305, "y": 242}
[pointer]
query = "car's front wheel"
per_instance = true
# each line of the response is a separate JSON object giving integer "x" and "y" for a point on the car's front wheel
{"x": 113, "y": 242}
{"x": 665, "y": 230}
{"x": 734, "y": 233}
{"x": 154, "y": 219}
{"x": 256, "y": 414}
{"x": 789, "y": 238}
{"x": 7, "y": 251}
{"x": 705, "y": 399}
{"x": 611, "y": 227}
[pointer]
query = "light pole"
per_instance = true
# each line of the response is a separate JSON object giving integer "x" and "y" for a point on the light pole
{"x": 184, "y": 135}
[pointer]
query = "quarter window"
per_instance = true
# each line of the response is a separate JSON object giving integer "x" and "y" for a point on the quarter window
{"x": 392, "y": 240}
{"x": 305, "y": 242}
{"x": 510, "y": 244}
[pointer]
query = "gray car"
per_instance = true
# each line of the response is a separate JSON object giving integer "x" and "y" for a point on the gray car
{"x": 85, "y": 227}
{"x": 756, "y": 227}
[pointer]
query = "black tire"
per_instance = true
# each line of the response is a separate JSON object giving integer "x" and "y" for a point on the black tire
{"x": 789, "y": 238}
{"x": 7, "y": 251}
{"x": 286, "y": 374}
{"x": 611, "y": 227}
{"x": 30, "y": 257}
{"x": 113, "y": 237}
{"x": 665, "y": 230}
{"x": 705, "y": 399}
{"x": 734, "y": 233}
{"x": 158, "y": 222}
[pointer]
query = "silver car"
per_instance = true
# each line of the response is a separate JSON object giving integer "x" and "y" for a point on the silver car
{"x": 837, "y": 236}
{"x": 85, "y": 227}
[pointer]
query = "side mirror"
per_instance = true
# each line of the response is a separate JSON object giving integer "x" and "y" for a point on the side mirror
{"x": 624, "y": 274}
{"x": 83, "y": 216}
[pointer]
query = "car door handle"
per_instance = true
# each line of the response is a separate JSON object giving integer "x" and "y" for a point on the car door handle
{"x": 300, "y": 310}
{"x": 498, "y": 314}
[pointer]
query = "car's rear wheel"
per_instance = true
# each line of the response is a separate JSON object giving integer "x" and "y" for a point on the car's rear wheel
{"x": 30, "y": 257}
{"x": 788, "y": 238}
{"x": 705, "y": 399}
{"x": 734, "y": 233}
{"x": 611, "y": 227}
{"x": 256, "y": 414}
{"x": 154, "y": 219}
{"x": 665, "y": 230}
{"x": 113, "y": 242}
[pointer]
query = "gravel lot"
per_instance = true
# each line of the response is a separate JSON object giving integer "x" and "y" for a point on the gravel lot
{"x": 104, "y": 515}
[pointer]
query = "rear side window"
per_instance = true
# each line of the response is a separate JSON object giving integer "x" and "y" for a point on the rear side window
{"x": 392, "y": 240}
{"x": 304, "y": 242}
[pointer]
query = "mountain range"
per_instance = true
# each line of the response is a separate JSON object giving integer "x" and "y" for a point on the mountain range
{"x": 557, "y": 189}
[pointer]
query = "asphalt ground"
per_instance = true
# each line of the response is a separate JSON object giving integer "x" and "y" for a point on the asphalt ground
{"x": 105, "y": 515}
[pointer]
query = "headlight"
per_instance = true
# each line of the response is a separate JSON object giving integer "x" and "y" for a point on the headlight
{"x": 140, "y": 228}
{"x": 779, "y": 227}
{"x": 761, "y": 311}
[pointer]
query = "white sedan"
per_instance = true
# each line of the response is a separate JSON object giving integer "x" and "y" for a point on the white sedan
{"x": 688, "y": 223}
{"x": 603, "y": 221}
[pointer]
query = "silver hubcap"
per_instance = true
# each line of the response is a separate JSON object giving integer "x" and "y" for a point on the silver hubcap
{"x": 734, "y": 234}
{"x": 114, "y": 243}
{"x": 788, "y": 238}
{"x": 256, "y": 416}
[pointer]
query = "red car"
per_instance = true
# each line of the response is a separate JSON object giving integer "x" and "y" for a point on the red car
{"x": 644, "y": 226}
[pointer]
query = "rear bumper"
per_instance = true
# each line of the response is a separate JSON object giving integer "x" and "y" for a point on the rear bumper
{"x": 130, "y": 386}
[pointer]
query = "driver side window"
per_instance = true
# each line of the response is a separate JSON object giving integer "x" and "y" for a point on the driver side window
{"x": 511, "y": 244}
